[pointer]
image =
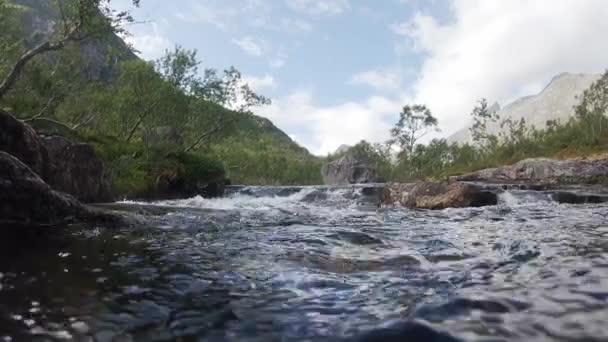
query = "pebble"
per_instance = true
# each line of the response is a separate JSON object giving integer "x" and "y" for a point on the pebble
{"x": 80, "y": 327}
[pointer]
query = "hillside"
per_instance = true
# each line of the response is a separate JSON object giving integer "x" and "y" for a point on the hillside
{"x": 555, "y": 102}
{"x": 247, "y": 144}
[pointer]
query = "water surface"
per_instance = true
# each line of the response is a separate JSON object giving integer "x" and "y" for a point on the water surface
{"x": 315, "y": 264}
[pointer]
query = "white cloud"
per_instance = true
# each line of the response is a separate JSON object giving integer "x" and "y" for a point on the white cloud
{"x": 319, "y": 7}
{"x": 251, "y": 46}
{"x": 322, "y": 129}
{"x": 295, "y": 25}
{"x": 219, "y": 16}
{"x": 260, "y": 84}
{"x": 150, "y": 46}
{"x": 501, "y": 49}
{"x": 386, "y": 79}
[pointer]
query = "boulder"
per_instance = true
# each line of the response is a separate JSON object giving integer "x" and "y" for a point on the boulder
{"x": 174, "y": 185}
{"x": 76, "y": 169}
{"x": 73, "y": 168}
{"x": 349, "y": 169}
{"x": 27, "y": 200}
{"x": 430, "y": 195}
{"x": 21, "y": 141}
{"x": 544, "y": 170}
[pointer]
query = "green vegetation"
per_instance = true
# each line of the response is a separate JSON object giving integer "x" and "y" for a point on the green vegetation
{"x": 584, "y": 134}
{"x": 147, "y": 119}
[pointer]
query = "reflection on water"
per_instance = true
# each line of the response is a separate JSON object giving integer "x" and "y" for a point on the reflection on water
{"x": 283, "y": 264}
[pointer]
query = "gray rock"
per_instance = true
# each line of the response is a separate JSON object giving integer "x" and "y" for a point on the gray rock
{"x": 21, "y": 141}
{"x": 26, "y": 199}
{"x": 430, "y": 195}
{"x": 555, "y": 102}
{"x": 73, "y": 168}
{"x": 76, "y": 169}
{"x": 544, "y": 170}
{"x": 349, "y": 169}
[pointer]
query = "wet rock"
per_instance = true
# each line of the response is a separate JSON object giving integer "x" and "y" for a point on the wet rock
{"x": 430, "y": 195}
{"x": 578, "y": 198}
{"x": 347, "y": 265}
{"x": 545, "y": 170}
{"x": 464, "y": 306}
{"x": 21, "y": 141}
{"x": 76, "y": 169}
{"x": 349, "y": 169}
{"x": 406, "y": 331}
{"x": 73, "y": 168}
{"x": 26, "y": 200}
{"x": 172, "y": 184}
{"x": 356, "y": 238}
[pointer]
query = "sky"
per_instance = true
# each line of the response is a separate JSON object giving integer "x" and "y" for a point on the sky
{"x": 339, "y": 71}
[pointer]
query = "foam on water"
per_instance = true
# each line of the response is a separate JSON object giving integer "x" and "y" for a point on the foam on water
{"x": 322, "y": 264}
{"x": 515, "y": 198}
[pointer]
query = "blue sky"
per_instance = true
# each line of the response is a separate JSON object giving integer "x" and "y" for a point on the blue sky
{"x": 338, "y": 71}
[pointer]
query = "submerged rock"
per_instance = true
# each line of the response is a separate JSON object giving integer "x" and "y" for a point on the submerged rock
{"x": 349, "y": 169}
{"x": 430, "y": 195}
{"x": 544, "y": 170}
{"x": 406, "y": 331}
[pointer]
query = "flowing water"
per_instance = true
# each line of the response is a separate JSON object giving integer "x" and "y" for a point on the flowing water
{"x": 315, "y": 264}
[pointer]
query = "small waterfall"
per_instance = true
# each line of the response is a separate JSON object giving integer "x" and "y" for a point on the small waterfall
{"x": 513, "y": 198}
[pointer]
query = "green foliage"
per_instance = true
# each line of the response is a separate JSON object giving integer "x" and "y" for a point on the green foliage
{"x": 585, "y": 133}
{"x": 146, "y": 119}
{"x": 415, "y": 122}
{"x": 197, "y": 167}
{"x": 479, "y": 130}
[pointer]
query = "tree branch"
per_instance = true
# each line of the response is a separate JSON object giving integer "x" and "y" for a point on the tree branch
{"x": 218, "y": 127}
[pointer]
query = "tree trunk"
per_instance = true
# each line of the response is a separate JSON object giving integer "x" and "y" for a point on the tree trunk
{"x": 216, "y": 128}
{"x": 15, "y": 72}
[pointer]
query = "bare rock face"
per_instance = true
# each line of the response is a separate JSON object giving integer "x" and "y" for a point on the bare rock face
{"x": 555, "y": 102}
{"x": 349, "y": 169}
{"x": 430, "y": 195}
{"x": 544, "y": 170}
{"x": 76, "y": 169}
{"x": 25, "y": 198}
{"x": 27, "y": 201}
{"x": 73, "y": 168}
{"x": 21, "y": 141}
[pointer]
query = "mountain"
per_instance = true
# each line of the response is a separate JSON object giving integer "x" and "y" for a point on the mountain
{"x": 555, "y": 102}
{"x": 101, "y": 60}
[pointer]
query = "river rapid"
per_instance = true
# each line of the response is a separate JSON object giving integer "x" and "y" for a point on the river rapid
{"x": 315, "y": 264}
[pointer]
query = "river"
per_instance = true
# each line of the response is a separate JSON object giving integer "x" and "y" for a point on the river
{"x": 315, "y": 264}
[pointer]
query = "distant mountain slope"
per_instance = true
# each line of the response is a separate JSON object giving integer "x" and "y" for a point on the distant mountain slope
{"x": 555, "y": 102}
{"x": 100, "y": 61}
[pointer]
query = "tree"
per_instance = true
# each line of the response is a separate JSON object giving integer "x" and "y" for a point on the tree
{"x": 482, "y": 115}
{"x": 415, "y": 122}
{"x": 80, "y": 20}
{"x": 593, "y": 108}
{"x": 180, "y": 68}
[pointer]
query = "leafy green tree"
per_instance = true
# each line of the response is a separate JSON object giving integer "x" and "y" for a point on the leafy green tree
{"x": 482, "y": 116}
{"x": 415, "y": 122}
{"x": 80, "y": 20}
{"x": 593, "y": 108}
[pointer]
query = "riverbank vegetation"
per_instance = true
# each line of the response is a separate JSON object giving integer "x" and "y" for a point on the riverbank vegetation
{"x": 584, "y": 134}
{"x": 146, "y": 118}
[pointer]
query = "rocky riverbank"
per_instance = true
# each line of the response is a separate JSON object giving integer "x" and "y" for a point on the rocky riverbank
{"x": 567, "y": 181}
